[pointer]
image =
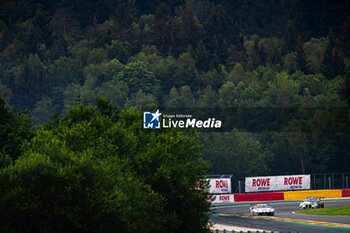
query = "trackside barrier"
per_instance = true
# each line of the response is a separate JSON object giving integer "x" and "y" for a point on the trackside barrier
{"x": 345, "y": 193}
{"x": 259, "y": 197}
{"x": 312, "y": 193}
{"x": 280, "y": 196}
{"x": 227, "y": 231}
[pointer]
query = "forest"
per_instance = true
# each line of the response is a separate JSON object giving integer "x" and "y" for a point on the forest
{"x": 203, "y": 54}
{"x": 78, "y": 67}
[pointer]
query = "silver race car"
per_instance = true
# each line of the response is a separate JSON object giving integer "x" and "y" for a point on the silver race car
{"x": 260, "y": 209}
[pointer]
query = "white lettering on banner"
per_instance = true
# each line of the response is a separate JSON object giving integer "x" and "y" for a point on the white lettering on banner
{"x": 273, "y": 183}
{"x": 192, "y": 123}
{"x": 223, "y": 198}
{"x": 220, "y": 185}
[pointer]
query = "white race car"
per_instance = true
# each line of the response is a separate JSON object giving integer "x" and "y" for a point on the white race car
{"x": 260, "y": 209}
{"x": 312, "y": 203}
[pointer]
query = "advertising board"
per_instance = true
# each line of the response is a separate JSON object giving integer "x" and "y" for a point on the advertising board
{"x": 226, "y": 198}
{"x": 274, "y": 183}
{"x": 222, "y": 185}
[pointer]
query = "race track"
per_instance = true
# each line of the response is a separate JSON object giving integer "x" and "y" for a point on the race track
{"x": 285, "y": 220}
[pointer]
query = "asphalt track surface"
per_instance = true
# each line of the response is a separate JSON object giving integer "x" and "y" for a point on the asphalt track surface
{"x": 285, "y": 219}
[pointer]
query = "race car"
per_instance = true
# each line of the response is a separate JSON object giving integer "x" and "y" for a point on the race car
{"x": 312, "y": 203}
{"x": 261, "y": 209}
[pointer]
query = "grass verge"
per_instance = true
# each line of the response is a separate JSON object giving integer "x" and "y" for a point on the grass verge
{"x": 327, "y": 211}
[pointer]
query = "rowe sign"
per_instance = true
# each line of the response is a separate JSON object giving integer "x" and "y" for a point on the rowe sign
{"x": 220, "y": 185}
{"x": 273, "y": 183}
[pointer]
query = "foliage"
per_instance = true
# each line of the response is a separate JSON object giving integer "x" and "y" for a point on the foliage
{"x": 94, "y": 171}
{"x": 268, "y": 57}
{"x": 15, "y": 128}
{"x": 136, "y": 75}
{"x": 236, "y": 153}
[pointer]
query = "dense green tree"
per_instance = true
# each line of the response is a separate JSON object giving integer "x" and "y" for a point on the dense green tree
{"x": 208, "y": 98}
{"x": 119, "y": 50}
{"x": 272, "y": 49}
{"x": 64, "y": 71}
{"x": 53, "y": 189}
{"x": 333, "y": 61}
{"x": 97, "y": 55}
{"x": 297, "y": 144}
{"x": 5, "y": 92}
{"x": 290, "y": 62}
{"x": 78, "y": 94}
{"x": 81, "y": 51}
{"x": 116, "y": 91}
{"x": 226, "y": 93}
{"x": 282, "y": 161}
{"x": 170, "y": 35}
{"x": 123, "y": 16}
{"x": 222, "y": 32}
{"x": 236, "y": 153}
{"x": 28, "y": 81}
{"x": 96, "y": 170}
{"x": 43, "y": 111}
{"x": 314, "y": 53}
{"x": 202, "y": 57}
{"x": 161, "y": 67}
{"x": 185, "y": 71}
{"x": 214, "y": 78}
{"x": 192, "y": 26}
{"x": 64, "y": 26}
{"x": 237, "y": 74}
{"x": 253, "y": 51}
{"x": 283, "y": 91}
{"x": 141, "y": 99}
{"x": 136, "y": 75}
{"x": 16, "y": 128}
{"x": 182, "y": 99}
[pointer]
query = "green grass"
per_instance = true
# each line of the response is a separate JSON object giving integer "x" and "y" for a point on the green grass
{"x": 328, "y": 211}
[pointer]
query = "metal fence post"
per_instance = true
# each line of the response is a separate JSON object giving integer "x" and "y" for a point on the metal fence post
{"x": 329, "y": 181}
{"x": 346, "y": 181}
{"x": 324, "y": 181}
{"x": 239, "y": 187}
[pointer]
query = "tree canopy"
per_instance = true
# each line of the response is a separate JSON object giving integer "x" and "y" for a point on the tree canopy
{"x": 263, "y": 59}
{"x": 94, "y": 170}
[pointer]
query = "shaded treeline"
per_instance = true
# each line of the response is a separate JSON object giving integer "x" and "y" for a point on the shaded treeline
{"x": 192, "y": 53}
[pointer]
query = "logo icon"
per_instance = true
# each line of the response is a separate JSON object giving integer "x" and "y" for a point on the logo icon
{"x": 151, "y": 120}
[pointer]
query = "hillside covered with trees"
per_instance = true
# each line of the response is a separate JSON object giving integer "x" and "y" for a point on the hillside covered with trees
{"x": 58, "y": 56}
